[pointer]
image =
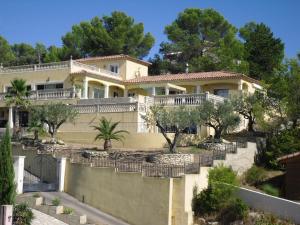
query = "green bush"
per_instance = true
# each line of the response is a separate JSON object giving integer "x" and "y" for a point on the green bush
{"x": 217, "y": 195}
{"x": 56, "y": 201}
{"x": 22, "y": 215}
{"x": 235, "y": 210}
{"x": 68, "y": 210}
{"x": 255, "y": 175}
{"x": 270, "y": 190}
{"x": 268, "y": 219}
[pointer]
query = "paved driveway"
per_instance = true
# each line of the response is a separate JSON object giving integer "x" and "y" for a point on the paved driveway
{"x": 44, "y": 219}
{"x": 93, "y": 215}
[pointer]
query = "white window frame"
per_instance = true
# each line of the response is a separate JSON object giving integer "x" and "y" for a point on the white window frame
{"x": 114, "y": 65}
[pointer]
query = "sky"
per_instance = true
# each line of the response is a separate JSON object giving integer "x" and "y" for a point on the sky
{"x": 46, "y": 21}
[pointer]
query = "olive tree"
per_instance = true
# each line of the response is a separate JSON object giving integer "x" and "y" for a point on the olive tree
{"x": 176, "y": 118}
{"x": 54, "y": 115}
{"x": 249, "y": 106}
{"x": 220, "y": 116}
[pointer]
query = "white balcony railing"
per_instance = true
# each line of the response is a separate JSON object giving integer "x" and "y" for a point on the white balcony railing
{"x": 186, "y": 99}
{"x": 35, "y": 67}
{"x": 44, "y": 95}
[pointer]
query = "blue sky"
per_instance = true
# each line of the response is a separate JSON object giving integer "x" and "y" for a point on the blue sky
{"x": 45, "y": 21}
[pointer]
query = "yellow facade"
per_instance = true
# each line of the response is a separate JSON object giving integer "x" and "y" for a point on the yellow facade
{"x": 119, "y": 87}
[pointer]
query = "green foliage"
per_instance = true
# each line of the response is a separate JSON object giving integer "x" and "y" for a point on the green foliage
{"x": 255, "y": 175}
{"x": 270, "y": 190}
{"x": 54, "y": 115}
{"x": 7, "y": 174}
{"x": 263, "y": 51}
{"x": 203, "y": 39}
{"x": 177, "y": 118}
{"x": 35, "y": 124}
{"x": 250, "y": 106}
{"x": 18, "y": 93}
{"x": 109, "y": 35}
{"x": 218, "y": 195}
{"x": 68, "y": 210}
{"x": 6, "y": 53}
{"x": 22, "y": 215}
{"x": 269, "y": 219}
{"x": 220, "y": 116}
{"x": 55, "y": 201}
{"x": 106, "y": 131}
{"x": 277, "y": 145}
{"x": 235, "y": 210}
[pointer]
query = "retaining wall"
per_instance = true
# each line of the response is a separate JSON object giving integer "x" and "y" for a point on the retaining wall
{"x": 134, "y": 198}
{"x": 278, "y": 206}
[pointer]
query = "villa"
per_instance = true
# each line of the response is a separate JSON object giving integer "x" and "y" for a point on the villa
{"x": 117, "y": 87}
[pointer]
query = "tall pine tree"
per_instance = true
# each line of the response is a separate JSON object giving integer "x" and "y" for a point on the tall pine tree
{"x": 7, "y": 184}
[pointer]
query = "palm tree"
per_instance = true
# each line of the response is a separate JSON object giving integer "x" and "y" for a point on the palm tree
{"x": 107, "y": 132}
{"x": 17, "y": 96}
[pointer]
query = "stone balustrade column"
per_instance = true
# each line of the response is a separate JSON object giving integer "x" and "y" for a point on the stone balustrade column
{"x": 10, "y": 118}
{"x": 85, "y": 88}
{"x": 153, "y": 93}
{"x": 198, "y": 89}
{"x": 106, "y": 91}
{"x": 125, "y": 92}
{"x": 167, "y": 90}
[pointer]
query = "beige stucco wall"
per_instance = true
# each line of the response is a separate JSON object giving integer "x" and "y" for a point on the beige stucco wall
{"x": 134, "y": 70}
{"x": 37, "y": 77}
{"x": 128, "y": 196}
{"x": 134, "y": 198}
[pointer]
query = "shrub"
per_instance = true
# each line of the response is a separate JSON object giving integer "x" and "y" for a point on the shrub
{"x": 255, "y": 175}
{"x": 68, "y": 210}
{"x": 270, "y": 190}
{"x": 22, "y": 215}
{"x": 235, "y": 210}
{"x": 56, "y": 201}
{"x": 218, "y": 194}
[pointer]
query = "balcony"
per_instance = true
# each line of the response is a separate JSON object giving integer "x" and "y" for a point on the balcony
{"x": 35, "y": 67}
{"x": 44, "y": 95}
{"x": 186, "y": 99}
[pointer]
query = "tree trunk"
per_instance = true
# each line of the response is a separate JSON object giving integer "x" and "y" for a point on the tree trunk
{"x": 218, "y": 133}
{"x": 107, "y": 144}
{"x": 172, "y": 147}
{"x": 36, "y": 135}
{"x": 251, "y": 124}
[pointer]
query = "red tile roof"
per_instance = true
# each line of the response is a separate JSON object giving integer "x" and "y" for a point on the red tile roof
{"x": 285, "y": 158}
{"x": 216, "y": 75}
{"x": 115, "y": 57}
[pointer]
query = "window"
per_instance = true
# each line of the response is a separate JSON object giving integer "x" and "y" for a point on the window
{"x": 52, "y": 86}
{"x": 98, "y": 93}
{"x": 222, "y": 92}
{"x": 114, "y": 68}
{"x": 1, "y": 114}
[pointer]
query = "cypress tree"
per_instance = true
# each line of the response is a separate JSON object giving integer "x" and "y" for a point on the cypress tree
{"x": 7, "y": 184}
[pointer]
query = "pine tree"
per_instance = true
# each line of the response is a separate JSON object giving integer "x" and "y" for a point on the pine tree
{"x": 7, "y": 185}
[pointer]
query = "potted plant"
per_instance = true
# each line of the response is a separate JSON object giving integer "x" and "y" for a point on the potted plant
{"x": 78, "y": 88}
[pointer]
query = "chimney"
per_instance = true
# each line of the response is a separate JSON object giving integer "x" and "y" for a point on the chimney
{"x": 187, "y": 68}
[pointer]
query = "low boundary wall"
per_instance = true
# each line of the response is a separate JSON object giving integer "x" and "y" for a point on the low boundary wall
{"x": 134, "y": 198}
{"x": 278, "y": 206}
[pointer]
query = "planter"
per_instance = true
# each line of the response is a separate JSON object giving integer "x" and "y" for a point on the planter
{"x": 78, "y": 93}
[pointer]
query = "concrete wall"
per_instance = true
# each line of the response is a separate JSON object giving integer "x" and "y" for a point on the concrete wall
{"x": 140, "y": 141}
{"x": 133, "y": 197}
{"x": 278, "y": 206}
{"x": 128, "y": 196}
{"x": 240, "y": 161}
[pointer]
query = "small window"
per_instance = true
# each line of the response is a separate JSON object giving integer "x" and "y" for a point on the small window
{"x": 114, "y": 68}
{"x": 131, "y": 94}
{"x": 53, "y": 86}
{"x": 222, "y": 92}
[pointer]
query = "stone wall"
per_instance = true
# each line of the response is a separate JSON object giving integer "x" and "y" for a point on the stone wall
{"x": 172, "y": 159}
